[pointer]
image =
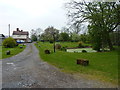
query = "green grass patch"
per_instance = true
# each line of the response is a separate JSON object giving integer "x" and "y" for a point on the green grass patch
{"x": 71, "y": 44}
{"x": 103, "y": 65}
{"x": 14, "y": 51}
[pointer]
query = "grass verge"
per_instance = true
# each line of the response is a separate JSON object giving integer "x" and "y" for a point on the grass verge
{"x": 103, "y": 65}
{"x": 14, "y": 51}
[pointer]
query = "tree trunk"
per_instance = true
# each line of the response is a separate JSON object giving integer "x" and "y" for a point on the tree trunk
{"x": 109, "y": 42}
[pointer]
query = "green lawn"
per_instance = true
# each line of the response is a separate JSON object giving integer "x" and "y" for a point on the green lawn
{"x": 103, "y": 65}
{"x": 70, "y": 44}
{"x": 14, "y": 51}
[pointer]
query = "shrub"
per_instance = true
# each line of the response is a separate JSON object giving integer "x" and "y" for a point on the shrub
{"x": 72, "y": 40}
{"x": 47, "y": 51}
{"x": 9, "y": 43}
{"x": 17, "y": 44}
{"x": 96, "y": 47}
{"x": 51, "y": 41}
{"x": 80, "y": 44}
{"x": 42, "y": 41}
{"x": 57, "y": 40}
{"x": 84, "y": 51}
{"x": 66, "y": 46}
{"x": 63, "y": 49}
{"x": 58, "y": 46}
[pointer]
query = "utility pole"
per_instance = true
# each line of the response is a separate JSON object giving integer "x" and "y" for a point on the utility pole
{"x": 9, "y": 29}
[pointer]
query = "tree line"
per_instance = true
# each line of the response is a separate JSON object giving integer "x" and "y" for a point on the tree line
{"x": 60, "y": 35}
{"x": 102, "y": 31}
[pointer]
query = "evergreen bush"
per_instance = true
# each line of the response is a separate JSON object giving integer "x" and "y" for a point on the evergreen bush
{"x": 9, "y": 43}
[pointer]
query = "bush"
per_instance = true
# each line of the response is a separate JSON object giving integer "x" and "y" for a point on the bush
{"x": 96, "y": 47}
{"x": 72, "y": 40}
{"x": 57, "y": 40}
{"x": 51, "y": 41}
{"x": 47, "y": 51}
{"x": 80, "y": 44}
{"x": 66, "y": 46}
{"x": 9, "y": 43}
{"x": 17, "y": 44}
{"x": 84, "y": 51}
{"x": 42, "y": 41}
{"x": 63, "y": 49}
{"x": 58, "y": 46}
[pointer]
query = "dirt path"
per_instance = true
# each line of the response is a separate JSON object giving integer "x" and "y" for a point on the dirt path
{"x": 26, "y": 70}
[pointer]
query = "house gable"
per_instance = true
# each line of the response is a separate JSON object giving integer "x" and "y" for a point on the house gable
{"x": 19, "y": 35}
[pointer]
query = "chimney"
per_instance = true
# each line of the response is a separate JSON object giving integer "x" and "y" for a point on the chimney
{"x": 17, "y": 29}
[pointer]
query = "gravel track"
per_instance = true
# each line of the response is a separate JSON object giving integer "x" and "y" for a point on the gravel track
{"x": 27, "y": 70}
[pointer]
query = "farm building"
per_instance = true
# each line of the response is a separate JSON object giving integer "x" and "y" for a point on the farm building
{"x": 21, "y": 36}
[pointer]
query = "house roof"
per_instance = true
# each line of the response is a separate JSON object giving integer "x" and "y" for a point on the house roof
{"x": 1, "y": 35}
{"x": 20, "y": 33}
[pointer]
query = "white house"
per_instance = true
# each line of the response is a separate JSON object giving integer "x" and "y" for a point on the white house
{"x": 20, "y": 35}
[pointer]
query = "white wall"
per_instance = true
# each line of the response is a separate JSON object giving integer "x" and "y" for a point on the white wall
{"x": 19, "y": 36}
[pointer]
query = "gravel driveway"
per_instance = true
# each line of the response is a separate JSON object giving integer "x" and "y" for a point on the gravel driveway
{"x": 27, "y": 70}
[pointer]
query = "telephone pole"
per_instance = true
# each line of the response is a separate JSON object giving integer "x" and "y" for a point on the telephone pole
{"x": 9, "y": 29}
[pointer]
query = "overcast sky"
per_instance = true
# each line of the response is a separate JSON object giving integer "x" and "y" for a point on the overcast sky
{"x": 31, "y": 14}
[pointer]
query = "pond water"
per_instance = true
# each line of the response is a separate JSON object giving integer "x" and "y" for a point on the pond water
{"x": 80, "y": 50}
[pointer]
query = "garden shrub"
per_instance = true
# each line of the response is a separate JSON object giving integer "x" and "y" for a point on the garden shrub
{"x": 17, "y": 44}
{"x": 9, "y": 43}
{"x": 84, "y": 51}
{"x": 66, "y": 46}
{"x": 63, "y": 49}
{"x": 72, "y": 40}
{"x": 96, "y": 47}
{"x": 57, "y": 40}
{"x": 47, "y": 51}
{"x": 80, "y": 44}
{"x": 58, "y": 46}
{"x": 51, "y": 41}
{"x": 42, "y": 41}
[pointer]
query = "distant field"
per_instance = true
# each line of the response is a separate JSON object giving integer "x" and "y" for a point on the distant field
{"x": 14, "y": 51}
{"x": 103, "y": 65}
